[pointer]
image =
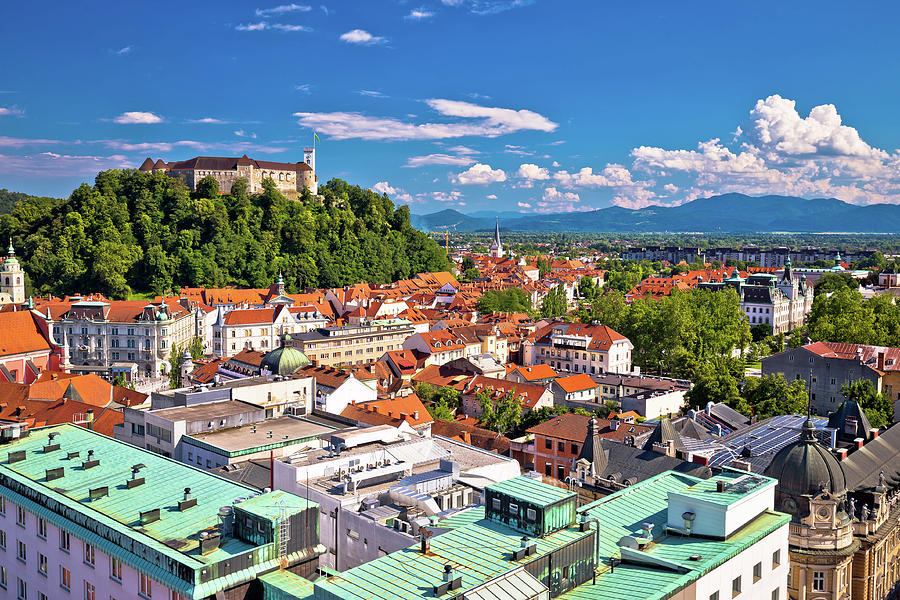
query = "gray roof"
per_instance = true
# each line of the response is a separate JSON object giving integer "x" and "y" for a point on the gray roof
{"x": 638, "y": 464}
{"x": 731, "y": 417}
{"x": 803, "y": 467}
{"x": 838, "y": 419}
{"x": 664, "y": 432}
{"x": 881, "y": 454}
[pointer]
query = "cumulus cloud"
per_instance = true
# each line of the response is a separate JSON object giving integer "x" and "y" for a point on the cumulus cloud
{"x": 553, "y": 200}
{"x": 138, "y": 118}
{"x": 417, "y": 14}
{"x": 482, "y": 121}
{"x": 396, "y": 194}
{"x": 480, "y": 174}
{"x": 246, "y": 134}
{"x": 491, "y": 196}
{"x": 284, "y": 8}
{"x": 531, "y": 173}
{"x": 523, "y": 204}
{"x": 362, "y": 37}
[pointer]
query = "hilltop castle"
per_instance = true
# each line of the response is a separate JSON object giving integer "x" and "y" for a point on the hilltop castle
{"x": 288, "y": 177}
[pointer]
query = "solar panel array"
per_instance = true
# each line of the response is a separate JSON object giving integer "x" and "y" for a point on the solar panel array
{"x": 769, "y": 438}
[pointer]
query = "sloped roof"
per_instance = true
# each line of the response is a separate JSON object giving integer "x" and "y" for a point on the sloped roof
{"x": 576, "y": 383}
{"x": 528, "y": 394}
{"x": 662, "y": 434}
{"x": 601, "y": 337}
{"x": 224, "y": 163}
{"x": 19, "y": 334}
{"x": 573, "y": 427}
{"x": 862, "y": 467}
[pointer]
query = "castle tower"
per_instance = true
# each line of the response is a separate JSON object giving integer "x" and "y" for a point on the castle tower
{"x": 309, "y": 157}
{"x": 12, "y": 277}
{"x": 496, "y": 246}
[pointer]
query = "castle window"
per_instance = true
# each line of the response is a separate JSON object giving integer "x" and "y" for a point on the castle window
{"x": 819, "y": 581}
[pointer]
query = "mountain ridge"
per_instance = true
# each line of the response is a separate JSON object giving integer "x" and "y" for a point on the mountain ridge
{"x": 724, "y": 213}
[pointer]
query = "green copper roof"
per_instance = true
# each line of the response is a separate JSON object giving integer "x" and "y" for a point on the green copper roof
{"x": 66, "y": 501}
{"x": 284, "y": 360}
{"x": 622, "y": 513}
{"x": 532, "y": 490}
{"x": 284, "y": 585}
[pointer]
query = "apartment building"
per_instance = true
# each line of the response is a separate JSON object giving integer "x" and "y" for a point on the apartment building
{"x": 578, "y": 348}
{"x": 353, "y": 344}
{"x": 85, "y": 516}
{"x": 111, "y": 336}
{"x": 261, "y": 328}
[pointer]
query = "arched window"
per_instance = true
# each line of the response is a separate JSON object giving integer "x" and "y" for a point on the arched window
{"x": 18, "y": 281}
{"x": 7, "y": 281}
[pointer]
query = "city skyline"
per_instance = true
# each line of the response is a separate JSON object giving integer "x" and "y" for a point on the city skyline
{"x": 465, "y": 104}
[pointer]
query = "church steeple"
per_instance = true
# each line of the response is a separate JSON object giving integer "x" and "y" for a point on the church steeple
{"x": 12, "y": 277}
{"x": 496, "y": 246}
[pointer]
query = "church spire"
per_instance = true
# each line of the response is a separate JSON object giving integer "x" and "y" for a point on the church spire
{"x": 496, "y": 246}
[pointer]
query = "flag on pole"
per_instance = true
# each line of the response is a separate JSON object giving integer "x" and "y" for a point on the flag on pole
{"x": 316, "y": 137}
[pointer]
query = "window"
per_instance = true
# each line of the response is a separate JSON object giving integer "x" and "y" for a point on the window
{"x": 3, "y": 577}
{"x": 735, "y": 586}
{"x": 65, "y": 578}
{"x": 776, "y": 558}
{"x": 64, "y": 541}
{"x": 560, "y": 472}
{"x": 22, "y": 589}
{"x": 530, "y": 515}
{"x": 21, "y": 550}
{"x": 714, "y": 595}
{"x": 146, "y": 587}
{"x": 574, "y": 448}
{"x": 89, "y": 554}
{"x": 548, "y": 469}
{"x": 513, "y": 508}
{"x": 2, "y": 540}
{"x": 775, "y": 594}
{"x": 20, "y": 516}
{"x": 757, "y": 572}
{"x": 495, "y": 504}
{"x": 819, "y": 581}
{"x": 90, "y": 592}
{"x": 2, "y": 506}
{"x": 548, "y": 444}
{"x": 561, "y": 446}
{"x": 42, "y": 564}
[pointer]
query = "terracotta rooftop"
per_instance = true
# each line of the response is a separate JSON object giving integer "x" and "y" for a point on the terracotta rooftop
{"x": 573, "y": 428}
{"x": 576, "y": 383}
{"x": 19, "y": 334}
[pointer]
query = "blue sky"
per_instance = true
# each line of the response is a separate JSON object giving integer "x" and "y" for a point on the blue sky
{"x": 468, "y": 104}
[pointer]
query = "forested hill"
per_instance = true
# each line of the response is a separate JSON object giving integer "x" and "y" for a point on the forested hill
{"x": 138, "y": 232}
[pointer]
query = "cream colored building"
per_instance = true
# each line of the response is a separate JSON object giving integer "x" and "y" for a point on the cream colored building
{"x": 12, "y": 279}
{"x": 353, "y": 344}
{"x": 288, "y": 177}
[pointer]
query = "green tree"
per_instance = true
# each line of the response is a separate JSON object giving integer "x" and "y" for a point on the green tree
{"x": 208, "y": 187}
{"x": 587, "y": 288}
{"x": 831, "y": 282}
{"x": 878, "y": 408}
{"x": 772, "y": 395}
{"x": 717, "y": 381}
{"x": 841, "y": 317}
{"x": 554, "y": 303}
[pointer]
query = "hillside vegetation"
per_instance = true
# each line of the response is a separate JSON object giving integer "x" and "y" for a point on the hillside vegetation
{"x": 139, "y": 232}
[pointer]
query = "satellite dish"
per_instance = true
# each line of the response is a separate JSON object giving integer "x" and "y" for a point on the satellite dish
{"x": 628, "y": 541}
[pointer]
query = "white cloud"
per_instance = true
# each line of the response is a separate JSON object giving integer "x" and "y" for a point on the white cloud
{"x": 491, "y": 196}
{"x": 452, "y": 197}
{"x": 553, "y": 200}
{"x": 11, "y": 142}
{"x": 486, "y": 7}
{"x": 284, "y": 8}
{"x": 303, "y": 88}
{"x": 137, "y": 118}
{"x": 264, "y": 25}
{"x": 50, "y": 164}
{"x": 396, "y": 194}
{"x": 417, "y": 14}
{"x": 554, "y": 164}
{"x": 207, "y": 121}
{"x": 246, "y": 134}
{"x": 124, "y": 50}
{"x": 490, "y": 122}
{"x": 11, "y": 111}
{"x": 371, "y": 93}
{"x": 523, "y": 204}
{"x": 438, "y": 159}
{"x": 531, "y": 172}
{"x": 361, "y": 36}
{"x": 260, "y": 26}
{"x": 510, "y": 149}
{"x": 480, "y": 174}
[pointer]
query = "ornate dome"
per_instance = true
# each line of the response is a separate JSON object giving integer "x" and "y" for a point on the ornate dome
{"x": 805, "y": 467}
{"x": 284, "y": 360}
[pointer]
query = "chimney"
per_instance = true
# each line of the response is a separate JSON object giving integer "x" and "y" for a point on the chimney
{"x": 614, "y": 424}
{"x": 874, "y": 432}
{"x": 415, "y": 415}
{"x": 841, "y": 453}
{"x": 881, "y": 361}
{"x": 700, "y": 460}
{"x": 720, "y": 486}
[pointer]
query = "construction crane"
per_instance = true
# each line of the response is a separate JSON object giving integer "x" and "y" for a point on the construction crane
{"x": 446, "y": 234}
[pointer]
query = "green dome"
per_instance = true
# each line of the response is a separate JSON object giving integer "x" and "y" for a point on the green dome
{"x": 284, "y": 360}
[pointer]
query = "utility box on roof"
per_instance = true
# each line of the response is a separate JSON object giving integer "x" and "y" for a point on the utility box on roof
{"x": 530, "y": 506}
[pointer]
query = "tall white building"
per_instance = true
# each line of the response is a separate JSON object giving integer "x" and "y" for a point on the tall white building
{"x": 12, "y": 279}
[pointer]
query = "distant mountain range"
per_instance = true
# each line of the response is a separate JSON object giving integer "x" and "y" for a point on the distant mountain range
{"x": 728, "y": 213}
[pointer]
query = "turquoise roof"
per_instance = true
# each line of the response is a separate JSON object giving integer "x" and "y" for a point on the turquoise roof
{"x": 622, "y": 514}
{"x": 175, "y": 535}
{"x": 479, "y": 552}
{"x": 532, "y": 490}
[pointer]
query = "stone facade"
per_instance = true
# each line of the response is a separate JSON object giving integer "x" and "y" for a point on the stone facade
{"x": 288, "y": 177}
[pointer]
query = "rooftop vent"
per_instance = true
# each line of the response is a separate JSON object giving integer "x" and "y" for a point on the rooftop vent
{"x": 527, "y": 547}
{"x": 91, "y": 462}
{"x": 449, "y": 581}
{"x": 50, "y": 447}
{"x": 209, "y": 541}
{"x": 52, "y": 474}
{"x": 149, "y": 516}
{"x": 97, "y": 493}
{"x": 17, "y": 456}
{"x": 135, "y": 480}
{"x": 188, "y": 501}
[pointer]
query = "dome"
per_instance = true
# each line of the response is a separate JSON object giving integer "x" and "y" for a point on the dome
{"x": 805, "y": 467}
{"x": 284, "y": 360}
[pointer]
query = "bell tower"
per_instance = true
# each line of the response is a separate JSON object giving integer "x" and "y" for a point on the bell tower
{"x": 12, "y": 277}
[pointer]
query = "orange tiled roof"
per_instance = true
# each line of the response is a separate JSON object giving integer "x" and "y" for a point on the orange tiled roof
{"x": 576, "y": 383}
{"x": 19, "y": 334}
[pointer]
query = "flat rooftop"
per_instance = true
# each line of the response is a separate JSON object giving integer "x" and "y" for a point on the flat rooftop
{"x": 206, "y": 410}
{"x": 248, "y": 438}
